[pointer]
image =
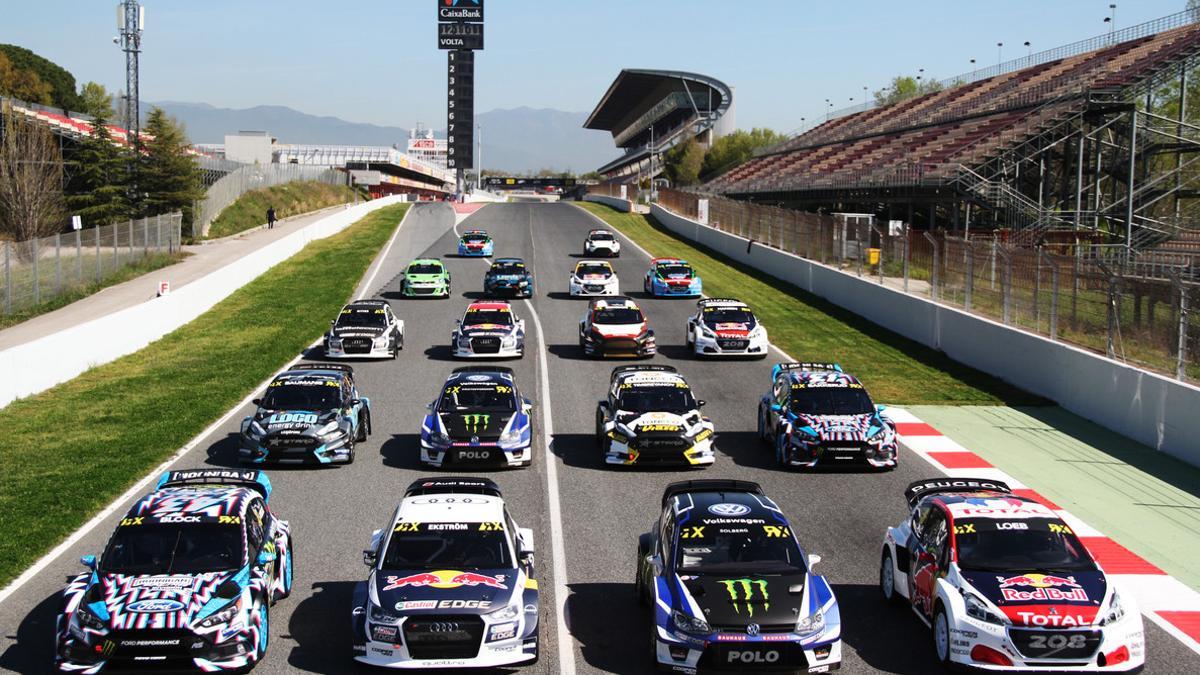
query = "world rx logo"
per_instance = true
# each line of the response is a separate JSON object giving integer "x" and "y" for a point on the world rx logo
{"x": 747, "y": 589}
{"x": 455, "y": 3}
{"x": 475, "y": 422}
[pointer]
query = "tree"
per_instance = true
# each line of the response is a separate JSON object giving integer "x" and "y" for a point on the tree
{"x": 22, "y": 84}
{"x": 169, "y": 178}
{"x": 682, "y": 163}
{"x": 96, "y": 101}
{"x": 98, "y": 188}
{"x": 904, "y": 87}
{"x": 62, "y": 83}
{"x": 31, "y": 171}
{"x": 729, "y": 151}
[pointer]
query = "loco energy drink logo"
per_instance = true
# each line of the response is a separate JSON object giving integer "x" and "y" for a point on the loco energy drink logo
{"x": 1041, "y": 587}
{"x": 445, "y": 579}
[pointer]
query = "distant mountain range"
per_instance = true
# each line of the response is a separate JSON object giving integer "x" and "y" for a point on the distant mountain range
{"x": 517, "y": 140}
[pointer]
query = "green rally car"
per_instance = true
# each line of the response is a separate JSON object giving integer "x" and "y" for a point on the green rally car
{"x": 426, "y": 277}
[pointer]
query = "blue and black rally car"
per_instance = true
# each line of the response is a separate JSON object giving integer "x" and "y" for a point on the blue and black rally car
{"x": 479, "y": 419}
{"x": 508, "y": 276}
{"x": 311, "y": 414}
{"x": 186, "y": 582}
{"x": 730, "y": 587}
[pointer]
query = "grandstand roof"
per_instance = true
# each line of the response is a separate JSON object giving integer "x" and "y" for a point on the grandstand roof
{"x": 635, "y": 91}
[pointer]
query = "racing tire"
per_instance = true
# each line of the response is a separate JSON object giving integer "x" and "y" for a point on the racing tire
{"x": 887, "y": 578}
{"x": 780, "y": 440}
{"x": 941, "y": 638}
{"x": 762, "y": 427}
{"x": 363, "y": 429}
{"x": 287, "y": 588}
{"x": 264, "y": 627}
{"x": 350, "y": 451}
{"x": 639, "y": 585}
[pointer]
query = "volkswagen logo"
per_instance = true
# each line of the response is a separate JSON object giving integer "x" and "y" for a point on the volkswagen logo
{"x": 474, "y": 440}
{"x": 728, "y": 510}
{"x": 753, "y": 629}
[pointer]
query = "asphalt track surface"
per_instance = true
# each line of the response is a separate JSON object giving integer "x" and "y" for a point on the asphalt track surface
{"x": 840, "y": 516}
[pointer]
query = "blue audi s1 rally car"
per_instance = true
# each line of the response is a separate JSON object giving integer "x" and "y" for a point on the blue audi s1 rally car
{"x": 508, "y": 276}
{"x": 817, "y": 415}
{"x": 479, "y": 419}
{"x": 311, "y": 414}
{"x": 730, "y": 587}
{"x": 186, "y": 582}
{"x": 475, "y": 244}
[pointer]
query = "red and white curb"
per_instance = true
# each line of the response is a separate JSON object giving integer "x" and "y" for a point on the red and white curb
{"x": 1163, "y": 599}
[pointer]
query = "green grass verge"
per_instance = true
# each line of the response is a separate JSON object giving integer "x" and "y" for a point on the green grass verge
{"x": 895, "y": 369}
{"x": 154, "y": 261}
{"x": 289, "y": 199}
{"x": 70, "y": 450}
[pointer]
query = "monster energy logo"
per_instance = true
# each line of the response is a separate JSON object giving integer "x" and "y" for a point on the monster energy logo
{"x": 747, "y": 588}
{"x": 475, "y": 422}
{"x": 108, "y": 648}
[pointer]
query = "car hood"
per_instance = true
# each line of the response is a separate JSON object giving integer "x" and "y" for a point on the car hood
{"x": 738, "y": 600}
{"x": 293, "y": 421}
{"x": 593, "y": 278}
{"x": 850, "y": 428}
{"x": 358, "y": 331}
{"x": 654, "y": 422}
{"x": 162, "y": 600}
{"x": 730, "y": 328}
{"x": 506, "y": 277}
{"x": 486, "y": 329}
{"x": 619, "y": 329}
{"x": 603, "y": 243}
{"x": 469, "y": 591}
{"x": 487, "y": 426}
{"x": 1039, "y": 599}
{"x": 424, "y": 278}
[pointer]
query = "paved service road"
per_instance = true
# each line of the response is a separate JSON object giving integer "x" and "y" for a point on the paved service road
{"x": 840, "y": 516}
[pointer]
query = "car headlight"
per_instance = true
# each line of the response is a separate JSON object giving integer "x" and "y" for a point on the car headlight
{"x": 223, "y": 615}
{"x": 511, "y": 340}
{"x": 757, "y": 332}
{"x": 381, "y": 341}
{"x": 88, "y": 619}
{"x": 690, "y": 624}
{"x": 805, "y": 436}
{"x": 511, "y": 436}
{"x": 625, "y": 431}
{"x": 378, "y": 615}
{"x": 331, "y": 429}
{"x": 811, "y": 624}
{"x": 255, "y": 430}
{"x": 464, "y": 341}
{"x": 440, "y": 438}
{"x": 335, "y": 341}
{"x": 1116, "y": 611}
{"x": 506, "y": 613}
{"x": 708, "y": 333}
{"x": 879, "y": 435}
{"x": 523, "y": 284}
{"x": 976, "y": 609}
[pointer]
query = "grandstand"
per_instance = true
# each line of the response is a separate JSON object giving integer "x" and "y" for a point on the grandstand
{"x": 391, "y": 171}
{"x": 1081, "y": 143}
{"x": 649, "y": 111}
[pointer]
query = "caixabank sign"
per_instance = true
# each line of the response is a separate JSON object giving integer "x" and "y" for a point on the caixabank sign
{"x": 470, "y": 11}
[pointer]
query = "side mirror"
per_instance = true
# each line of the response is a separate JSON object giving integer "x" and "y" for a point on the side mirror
{"x": 265, "y": 557}
{"x": 813, "y": 559}
{"x": 657, "y": 563}
{"x": 369, "y": 557}
{"x": 525, "y": 537}
{"x": 257, "y": 401}
{"x": 429, "y": 407}
{"x": 355, "y": 401}
{"x": 526, "y": 405}
{"x": 701, "y": 403}
{"x": 775, "y": 407}
{"x": 332, "y": 321}
{"x": 880, "y": 408}
{"x": 88, "y": 561}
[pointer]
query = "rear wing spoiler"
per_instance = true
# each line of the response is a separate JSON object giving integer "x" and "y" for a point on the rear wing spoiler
{"x": 443, "y": 486}
{"x": 922, "y": 488}
{"x": 369, "y": 301}
{"x": 247, "y": 478}
{"x": 705, "y": 302}
{"x": 641, "y": 368}
{"x": 709, "y": 485}
{"x": 340, "y": 367}
{"x": 483, "y": 369}
{"x": 805, "y": 366}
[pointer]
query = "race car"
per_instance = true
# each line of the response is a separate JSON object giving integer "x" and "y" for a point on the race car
{"x": 425, "y": 277}
{"x": 817, "y": 415}
{"x": 602, "y": 242}
{"x": 365, "y": 328}
{"x": 312, "y": 413}
{"x": 730, "y": 587}
{"x": 488, "y": 329}
{"x": 508, "y": 276}
{"x": 651, "y": 417}
{"x": 672, "y": 277}
{"x": 452, "y": 582}
{"x": 615, "y": 327}
{"x": 186, "y": 581}
{"x": 475, "y": 244}
{"x": 1005, "y": 584}
{"x": 594, "y": 277}
{"x": 725, "y": 327}
{"x": 479, "y": 419}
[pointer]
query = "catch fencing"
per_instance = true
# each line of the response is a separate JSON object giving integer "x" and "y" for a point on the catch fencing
{"x": 1075, "y": 294}
{"x": 37, "y": 270}
{"x": 236, "y": 183}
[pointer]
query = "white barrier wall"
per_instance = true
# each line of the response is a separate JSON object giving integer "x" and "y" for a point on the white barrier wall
{"x": 38, "y": 365}
{"x": 619, "y": 204}
{"x": 1149, "y": 408}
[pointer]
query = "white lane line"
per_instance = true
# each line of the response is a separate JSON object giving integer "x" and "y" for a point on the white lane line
{"x": 136, "y": 489}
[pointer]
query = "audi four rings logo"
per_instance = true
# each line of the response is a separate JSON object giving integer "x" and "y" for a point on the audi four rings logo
{"x": 443, "y": 627}
{"x": 729, "y": 510}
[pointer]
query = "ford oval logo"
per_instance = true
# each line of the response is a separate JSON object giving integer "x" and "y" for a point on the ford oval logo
{"x": 729, "y": 510}
{"x": 155, "y": 606}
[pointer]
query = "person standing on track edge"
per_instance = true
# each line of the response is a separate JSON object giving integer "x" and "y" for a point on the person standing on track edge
{"x": 270, "y": 217}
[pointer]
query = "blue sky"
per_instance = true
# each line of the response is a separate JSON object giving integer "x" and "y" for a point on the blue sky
{"x": 376, "y": 60}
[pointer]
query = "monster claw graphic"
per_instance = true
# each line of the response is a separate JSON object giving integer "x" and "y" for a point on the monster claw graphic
{"x": 475, "y": 422}
{"x": 747, "y": 587}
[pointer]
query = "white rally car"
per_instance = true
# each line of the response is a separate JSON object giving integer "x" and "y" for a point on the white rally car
{"x": 651, "y": 417}
{"x": 726, "y": 327}
{"x": 365, "y": 328}
{"x": 1005, "y": 584}
{"x": 602, "y": 242}
{"x": 594, "y": 277}
{"x": 488, "y": 329}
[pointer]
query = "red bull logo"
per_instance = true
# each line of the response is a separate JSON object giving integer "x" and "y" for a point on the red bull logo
{"x": 1045, "y": 587}
{"x": 445, "y": 579}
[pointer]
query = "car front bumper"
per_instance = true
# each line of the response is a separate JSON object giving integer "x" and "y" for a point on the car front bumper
{"x": 626, "y": 347}
{"x": 425, "y": 290}
{"x": 692, "y": 290}
{"x": 706, "y": 346}
{"x": 483, "y": 455}
{"x": 697, "y": 454}
{"x": 335, "y": 451}
{"x": 375, "y": 352}
{"x": 830, "y": 453}
{"x": 611, "y": 252}
{"x": 689, "y": 655}
{"x": 600, "y": 289}
{"x": 1121, "y": 646}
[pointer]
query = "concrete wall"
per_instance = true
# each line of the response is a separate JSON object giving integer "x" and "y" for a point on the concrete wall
{"x": 619, "y": 204}
{"x": 1149, "y": 408}
{"x": 38, "y": 365}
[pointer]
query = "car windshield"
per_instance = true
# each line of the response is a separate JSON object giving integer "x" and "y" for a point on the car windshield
{"x": 362, "y": 317}
{"x": 189, "y": 548}
{"x": 477, "y": 396}
{"x": 312, "y": 394}
{"x": 617, "y": 316}
{"x": 600, "y": 236}
{"x": 478, "y": 317}
{"x": 424, "y": 268}
{"x": 592, "y": 269}
{"x": 1024, "y": 544}
{"x": 440, "y": 546}
{"x": 670, "y": 399}
{"x": 508, "y": 269}
{"x": 675, "y": 270}
{"x": 737, "y": 548}
{"x": 475, "y": 238}
{"x": 714, "y": 318}
{"x": 831, "y": 401}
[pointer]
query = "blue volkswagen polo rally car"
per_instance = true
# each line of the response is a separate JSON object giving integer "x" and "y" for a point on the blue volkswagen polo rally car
{"x": 186, "y": 580}
{"x": 817, "y": 415}
{"x": 508, "y": 276}
{"x": 311, "y": 414}
{"x": 475, "y": 244}
{"x": 730, "y": 587}
{"x": 672, "y": 277}
{"x": 478, "y": 420}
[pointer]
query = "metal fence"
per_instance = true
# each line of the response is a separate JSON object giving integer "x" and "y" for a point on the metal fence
{"x": 37, "y": 270}
{"x": 225, "y": 191}
{"x": 1064, "y": 292}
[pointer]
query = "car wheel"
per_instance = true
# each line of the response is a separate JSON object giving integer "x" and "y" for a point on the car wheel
{"x": 350, "y": 451}
{"x": 363, "y": 425}
{"x": 762, "y": 426}
{"x": 643, "y": 594}
{"x": 287, "y": 572}
{"x": 941, "y": 637}
{"x": 887, "y": 577}
{"x": 264, "y": 631}
{"x": 781, "y": 449}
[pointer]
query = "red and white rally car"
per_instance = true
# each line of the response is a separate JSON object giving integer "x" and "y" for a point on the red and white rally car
{"x": 1005, "y": 584}
{"x": 615, "y": 327}
{"x": 725, "y": 327}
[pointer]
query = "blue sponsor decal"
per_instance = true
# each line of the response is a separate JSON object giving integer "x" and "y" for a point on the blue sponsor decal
{"x": 156, "y": 606}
